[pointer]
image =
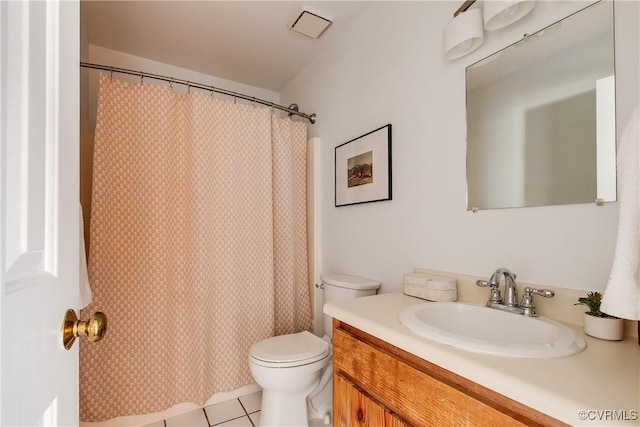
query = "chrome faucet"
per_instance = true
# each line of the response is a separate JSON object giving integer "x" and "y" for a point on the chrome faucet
{"x": 510, "y": 291}
{"x": 510, "y": 302}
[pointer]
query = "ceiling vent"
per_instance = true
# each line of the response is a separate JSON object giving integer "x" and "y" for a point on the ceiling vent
{"x": 311, "y": 23}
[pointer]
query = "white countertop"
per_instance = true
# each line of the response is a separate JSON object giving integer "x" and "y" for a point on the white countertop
{"x": 604, "y": 377}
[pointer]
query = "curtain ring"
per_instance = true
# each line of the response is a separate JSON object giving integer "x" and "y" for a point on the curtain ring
{"x": 188, "y": 87}
{"x": 212, "y": 90}
{"x": 141, "y": 77}
{"x": 111, "y": 74}
{"x": 171, "y": 84}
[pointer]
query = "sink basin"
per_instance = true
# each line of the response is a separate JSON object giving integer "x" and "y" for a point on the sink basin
{"x": 480, "y": 329}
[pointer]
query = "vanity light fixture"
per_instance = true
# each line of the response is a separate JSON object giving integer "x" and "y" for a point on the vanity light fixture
{"x": 499, "y": 14}
{"x": 465, "y": 32}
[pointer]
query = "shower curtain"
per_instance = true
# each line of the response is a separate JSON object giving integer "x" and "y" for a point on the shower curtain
{"x": 198, "y": 245}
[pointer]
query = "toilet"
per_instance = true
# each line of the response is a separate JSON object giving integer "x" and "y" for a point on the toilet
{"x": 294, "y": 370}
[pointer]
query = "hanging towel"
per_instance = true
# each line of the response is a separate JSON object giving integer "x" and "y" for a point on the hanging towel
{"x": 622, "y": 295}
{"x": 85, "y": 288}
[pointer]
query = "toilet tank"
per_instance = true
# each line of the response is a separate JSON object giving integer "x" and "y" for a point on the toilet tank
{"x": 339, "y": 287}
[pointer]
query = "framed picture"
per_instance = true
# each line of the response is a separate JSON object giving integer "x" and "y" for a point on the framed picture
{"x": 363, "y": 168}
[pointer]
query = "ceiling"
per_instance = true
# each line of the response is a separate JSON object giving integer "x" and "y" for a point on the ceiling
{"x": 245, "y": 41}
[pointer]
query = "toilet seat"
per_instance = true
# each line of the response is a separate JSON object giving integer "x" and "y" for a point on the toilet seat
{"x": 285, "y": 351}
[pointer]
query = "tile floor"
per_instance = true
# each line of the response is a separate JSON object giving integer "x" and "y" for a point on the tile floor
{"x": 241, "y": 412}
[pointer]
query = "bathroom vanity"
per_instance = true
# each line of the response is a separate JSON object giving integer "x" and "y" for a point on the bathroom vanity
{"x": 384, "y": 375}
{"x": 379, "y": 384}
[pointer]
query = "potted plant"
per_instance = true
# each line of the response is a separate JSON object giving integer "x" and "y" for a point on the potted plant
{"x": 598, "y": 324}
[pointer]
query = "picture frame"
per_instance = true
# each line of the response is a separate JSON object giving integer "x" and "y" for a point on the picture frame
{"x": 363, "y": 168}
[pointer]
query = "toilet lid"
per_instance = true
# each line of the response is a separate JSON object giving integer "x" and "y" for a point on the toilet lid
{"x": 349, "y": 282}
{"x": 290, "y": 348}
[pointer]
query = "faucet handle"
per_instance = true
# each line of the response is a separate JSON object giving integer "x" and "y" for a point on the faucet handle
{"x": 547, "y": 293}
{"x": 527, "y": 300}
{"x": 495, "y": 292}
{"x": 485, "y": 284}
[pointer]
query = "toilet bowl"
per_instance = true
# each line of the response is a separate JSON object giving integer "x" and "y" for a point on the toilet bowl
{"x": 288, "y": 368}
{"x": 294, "y": 370}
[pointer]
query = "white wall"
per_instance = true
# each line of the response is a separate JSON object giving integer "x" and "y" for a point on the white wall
{"x": 389, "y": 69}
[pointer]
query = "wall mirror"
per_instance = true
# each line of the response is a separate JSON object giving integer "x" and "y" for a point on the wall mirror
{"x": 541, "y": 117}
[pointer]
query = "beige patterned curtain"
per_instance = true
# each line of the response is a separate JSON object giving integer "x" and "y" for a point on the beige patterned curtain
{"x": 198, "y": 246}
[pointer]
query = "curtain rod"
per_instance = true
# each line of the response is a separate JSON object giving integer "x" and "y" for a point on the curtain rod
{"x": 291, "y": 110}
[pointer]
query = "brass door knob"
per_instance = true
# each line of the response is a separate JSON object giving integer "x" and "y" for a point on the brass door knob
{"x": 94, "y": 329}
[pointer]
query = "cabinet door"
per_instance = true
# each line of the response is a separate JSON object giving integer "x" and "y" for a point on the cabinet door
{"x": 410, "y": 390}
{"x": 351, "y": 407}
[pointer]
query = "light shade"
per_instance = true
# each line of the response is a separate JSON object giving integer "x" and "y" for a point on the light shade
{"x": 499, "y": 14}
{"x": 463, "y": 34}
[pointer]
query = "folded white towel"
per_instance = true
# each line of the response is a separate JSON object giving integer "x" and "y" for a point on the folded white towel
{"x": 440, "y": 283}
{"x": 432, "y": 288}
{"x": 622, "y": 295}
{"x": 85, "y": 287}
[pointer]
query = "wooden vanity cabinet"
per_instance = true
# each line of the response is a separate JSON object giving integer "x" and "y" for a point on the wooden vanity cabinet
{"x": 377, "y": 384}
{"x": 359, "y": 409}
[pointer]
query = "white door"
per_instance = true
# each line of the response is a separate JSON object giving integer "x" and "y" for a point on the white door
{"x": 39, "y": 93}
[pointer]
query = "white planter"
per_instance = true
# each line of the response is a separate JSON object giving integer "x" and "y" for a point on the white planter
{"x": 603, "y": 328}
